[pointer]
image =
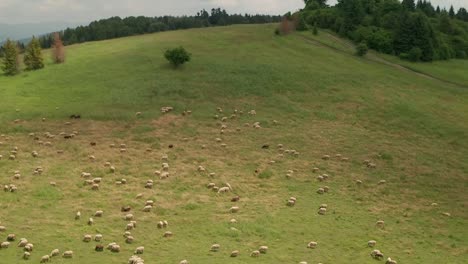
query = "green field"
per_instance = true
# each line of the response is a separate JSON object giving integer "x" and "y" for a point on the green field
{"x": 325, "y": 101}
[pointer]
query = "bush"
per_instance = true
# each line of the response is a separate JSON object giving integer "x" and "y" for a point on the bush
{"x": 277, "y": 31}
{"x": 361, "y": 49}
{"x": 415, "y": 54}
{"x": 177, "y": 56}
{"x": 315, "y": 29}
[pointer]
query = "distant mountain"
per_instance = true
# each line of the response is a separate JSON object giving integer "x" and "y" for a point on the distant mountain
{"x": 25, "y": 31}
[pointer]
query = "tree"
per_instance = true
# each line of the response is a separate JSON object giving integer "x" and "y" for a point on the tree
{"x": 10, "y": 65}
{"x": 451, "y": 12}
{"x": 315, "y": 29}
{"x": 58, "y": 50}
{"x": 177, "y": 56}
{"x": 415, "y": 54}
{"x": 301, "y": 24}
{"x": 33, "y": 56}
{"x": 361, "y": 49}
{"x": 408, "y": 5}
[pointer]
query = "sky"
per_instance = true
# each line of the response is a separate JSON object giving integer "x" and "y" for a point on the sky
{"x": 40, "y": 11}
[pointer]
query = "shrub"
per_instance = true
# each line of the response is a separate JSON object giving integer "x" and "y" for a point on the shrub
{"x": 277, "y": 31}
{"x": 361, "y": 49}
{"x": 315, "y": 29}
{"x": 415, "y": 54}
{"x": 177, "y": 56}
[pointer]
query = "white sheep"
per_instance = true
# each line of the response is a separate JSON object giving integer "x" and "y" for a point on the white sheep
{"x": 139, "y": 250}
{"x": 90, "y": 221}
{"x": 128, "y": 217}
{"x": 98, "y": 237}
{"x": 255, "y": 253}
{"x": 87, "y": 238}
{"x": 312, "y": 244}
{"x": 380, "y": 223}
{"x": 55, "y": 252}
{"x": 184, "y": 262}
{"x": 215, "y": 247}
{"x": 167, "y": 234}
{"x": 322, "y": 211}
{"x": 45, "y": 259}
{"x": 376, "y": 254}
{"x": 263, "y": 249}
{"x": 77, "y": 215}
{"x": 224, "y": 190}
{"x": 234, "y": 209}
{"x": 23, "y": 242}
{"x": 147, "y": 208}
{"x": 26, "y": 255}
{"x": 98, "y": 213}
{"x": 67, "y": 254}
{"x": 129, "y": 239}
{"x": 390, "y": 261}
{"x": 5, "y": 244}
{"x": 371, "y": 243}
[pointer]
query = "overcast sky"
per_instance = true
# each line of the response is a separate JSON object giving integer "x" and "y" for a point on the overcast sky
{"x": 30, "y": 11}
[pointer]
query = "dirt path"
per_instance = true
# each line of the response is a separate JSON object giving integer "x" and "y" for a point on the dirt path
{"x": 375, "y": 58}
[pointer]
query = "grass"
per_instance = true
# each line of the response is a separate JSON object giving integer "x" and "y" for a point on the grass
{"x": 326, "y": 101}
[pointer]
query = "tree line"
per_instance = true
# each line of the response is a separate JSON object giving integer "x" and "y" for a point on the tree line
{"x": 416, "y": 31}
{"x": 116, "y": 27}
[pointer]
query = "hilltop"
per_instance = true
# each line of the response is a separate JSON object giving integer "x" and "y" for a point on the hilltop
{"x": 310, "y": 94}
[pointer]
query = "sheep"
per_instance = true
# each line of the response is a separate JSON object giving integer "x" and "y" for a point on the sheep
{"x": 233, "y": 221}
{"x": 139, "y": 250}
{"x": 165, "y": 166}
{"x": 126, "y": 208}
{"x": 95, "y": 187}
{"x": 255, "y": 253}
{"x": 22, "y": 242}
{"x": 326, "y": 157}
{"x": 252, "y": 112}
{"x": 98, "y": 237}
{"x": 53, "y": 184}
{"x": 390, "y": 261}
{"x": 4, "y": 244}
{"x": 380, "y": 223}
{"x": 201, "y": 169}
{"x": 87, "y": 238}
{"x": 320, "y": 178}
{"x": 167, "y": 234}
{"x": 303, "y": 262}
{"x": 184, "y": 262}
{"x": 128, "y": 217}
{"x": 26, "y": 255}
{"x": 147, "y": 208}
{"x": 160, "y": 224}
{"x": 139, "y": 196}
{"x": 29, "y": 247}
{"x": 129, "y": 239}
{"x": 85, "y": 175}
{"x": 312, "y": 244}
{"x": 215, "y": 189}
{"x": 446, "y": 214}
{"x": 98, "y": 213}
{"x": 358, "y": 182}
{"x": 45, "y": 259}
{"x": 215, "y": 248}
{"x": 234, "y": 253}
{"x": 322, "y": 211}
{"x": 210, "y": 185}
{"x": 67, "y": 254}
{"x": 2, "y": 228}
{"x": 382, "y": 182}
{"x": 320, "y": 191}
{"x": 11, "y": 237}
{"x": 115, "y": 248}
{"x": 99, "y": 248}
{"x": 149, "y": 184}
{"x": 112, "y": 169}
{"x": 55, "y": 252}
{"x": 97, "y": 180}
{"x": 376, "y": 254}
{"x": 224, "y": 190}
{"x": 263, "y": 249}
{"x": 90, "y": 221}
{"x": 135, "y": 260}
{"x": 291, "y": 202}
{"x": 325, "y": 176}
{"x": 77, "y": 215}
{"x": 371, "y": 165}
{"x": 371, "y": 243}
{"x": 234, "y": 209}
{"x": 35, "y": 154}
{"x": 315, "y": 169}
{"x": 235, "y": 199}
{"x": 326, "y": 188}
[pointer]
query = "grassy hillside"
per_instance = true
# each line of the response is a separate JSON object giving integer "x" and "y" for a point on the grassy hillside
{"x": 325, "y": 102}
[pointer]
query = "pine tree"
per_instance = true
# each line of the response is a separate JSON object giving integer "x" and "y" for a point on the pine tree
{"x": 33, "y": 57}
{"x": 408, "y": 5}
{"x": 438, "y": 10}
{"x": 10, "y": 65}
{"x": 451, "y": 12}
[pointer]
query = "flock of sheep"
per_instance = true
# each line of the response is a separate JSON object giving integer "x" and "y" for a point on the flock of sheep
{"x": 148, "y": 205}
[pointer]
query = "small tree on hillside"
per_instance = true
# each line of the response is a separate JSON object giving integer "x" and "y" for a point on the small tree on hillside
{"x": 58, "y": 50}
{"x": 361, "y": 49}
{"x": 177, "y": 56}
{"x": 33, "y": 55}
{"x": 10, "y": 64}
{"x": 315, "y": 29}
